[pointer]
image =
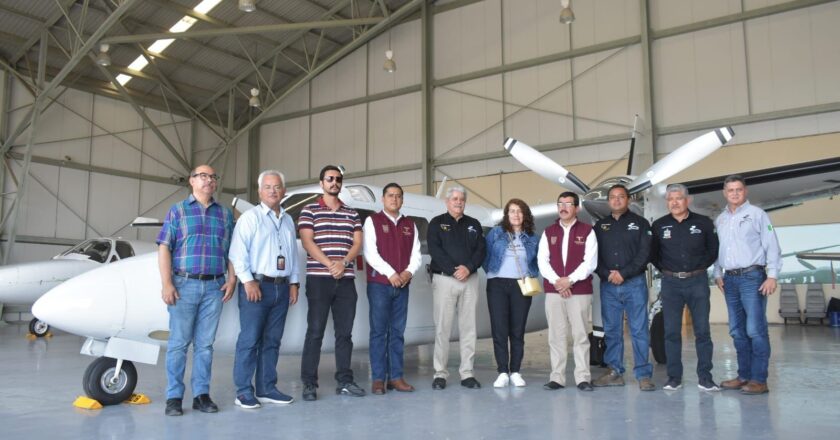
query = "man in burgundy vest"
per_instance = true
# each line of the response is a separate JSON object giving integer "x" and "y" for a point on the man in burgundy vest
{"x": 392, "y": 251}
{"x": 567, "y": 256}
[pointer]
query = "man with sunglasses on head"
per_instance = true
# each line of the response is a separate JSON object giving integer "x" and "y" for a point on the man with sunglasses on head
{"x": 193, "y": 246}
{"x": 331, "y": 234}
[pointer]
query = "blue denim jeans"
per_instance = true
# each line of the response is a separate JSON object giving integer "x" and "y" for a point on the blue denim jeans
{"x": 694, "y": 293}
{"x": 261, "y": 326}
{"x": 748, "y": 323}
{"x": 388, "y": 314}
{"x": 631, "y": 296}
{"x": 192, "y": 320}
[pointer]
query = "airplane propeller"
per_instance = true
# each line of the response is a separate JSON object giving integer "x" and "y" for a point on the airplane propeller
{"x": 681, "y": 158}
{"x": 544, "y": 166}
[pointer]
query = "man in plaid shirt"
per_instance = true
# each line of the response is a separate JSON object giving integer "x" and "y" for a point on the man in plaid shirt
{"x": 192, "y": 256}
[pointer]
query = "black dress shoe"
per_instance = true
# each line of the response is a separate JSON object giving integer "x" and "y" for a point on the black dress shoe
{"x": 470, "y": 382}
{"x": 203, "y": 403}
{"x": 551, "y": 386}
{"x": 173, "y": 407}
{"x": 309, "y": 392}
{"x": 439, "y": 383}
{"x": 585, "y": 386}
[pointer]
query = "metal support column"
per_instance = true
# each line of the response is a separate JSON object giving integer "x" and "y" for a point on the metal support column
{"x": 253, "y": 163}
{"x": 646, "y": 140}
{"x": 427, "y": 95}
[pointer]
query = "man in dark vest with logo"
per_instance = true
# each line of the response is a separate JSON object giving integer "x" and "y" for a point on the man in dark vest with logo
{"x": 567, "y": 256}
{"x": 392, "y": 251}
{"x": 624, "y": 241}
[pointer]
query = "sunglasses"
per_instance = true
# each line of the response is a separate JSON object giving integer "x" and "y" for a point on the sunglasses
{"x": 331, "y": 179}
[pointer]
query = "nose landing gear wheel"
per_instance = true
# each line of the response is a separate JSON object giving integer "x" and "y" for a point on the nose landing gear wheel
{"x": 38, "y": 328}
{"x": 101, "y": 383}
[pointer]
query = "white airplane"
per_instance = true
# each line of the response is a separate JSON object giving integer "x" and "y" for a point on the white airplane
{"x": 22, "y": 284}
{"x": 118, "y": 308}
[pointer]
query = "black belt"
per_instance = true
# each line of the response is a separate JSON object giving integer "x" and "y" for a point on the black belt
{"x": 743, "y": 270}
{"x": 199, "y": 276}
{"x": 267, "y": 279}
{"x": 437, "y": 272}
{"x": 683, "y": 275}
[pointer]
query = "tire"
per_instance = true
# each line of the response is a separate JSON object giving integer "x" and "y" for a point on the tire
{"x": 96, "y": 381}
{"x": 38, "y": 328}
{"x": 657, "y": 338}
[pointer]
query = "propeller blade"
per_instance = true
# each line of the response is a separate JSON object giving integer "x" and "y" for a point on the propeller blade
{"x": 544, "y": 166}
{"x": 681, "y": 158}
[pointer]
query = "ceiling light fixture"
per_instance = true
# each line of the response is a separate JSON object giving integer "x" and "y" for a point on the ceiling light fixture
{"x": 390, "y": 65}
{"x": 567, "y": 15}
{"x": 254, "y": 101}
{"x": 103, "y": 59}
{"x": 247, "y": 5}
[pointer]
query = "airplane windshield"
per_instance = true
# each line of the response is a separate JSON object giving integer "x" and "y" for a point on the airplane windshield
{"x": 96, "y": 250}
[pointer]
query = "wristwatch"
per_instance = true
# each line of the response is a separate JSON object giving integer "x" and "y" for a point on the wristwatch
{"x": 345, "y": 262}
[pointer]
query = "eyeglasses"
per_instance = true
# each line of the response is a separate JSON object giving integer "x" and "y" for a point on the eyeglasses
{"x": 566, "y": 204}
{"x": 205, "y": 176}
{"x": 331, "y": 179}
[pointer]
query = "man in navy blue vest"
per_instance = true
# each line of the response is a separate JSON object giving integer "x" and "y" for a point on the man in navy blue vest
{"x": 567, "y": 256}
{"x": 392, "y": 251}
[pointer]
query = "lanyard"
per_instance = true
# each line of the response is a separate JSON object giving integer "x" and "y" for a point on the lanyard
{"x": 277, "y": 228}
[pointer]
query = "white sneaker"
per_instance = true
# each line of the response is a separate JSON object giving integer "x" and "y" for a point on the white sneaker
{"x": 517, "y": 380}
{"x": 501, "y": 381}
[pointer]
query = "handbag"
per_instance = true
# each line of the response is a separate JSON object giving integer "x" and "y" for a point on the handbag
{"x": 530, "y": 286}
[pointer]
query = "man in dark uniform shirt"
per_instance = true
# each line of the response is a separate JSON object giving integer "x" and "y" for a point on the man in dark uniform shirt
{"x": 685, "y": 244}
{"x": 457, "y": 247}
{"x": 624, "y": 240}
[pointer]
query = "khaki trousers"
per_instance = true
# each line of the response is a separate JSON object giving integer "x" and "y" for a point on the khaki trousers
{"x": 451, "y": 295}
{"x": 562, "y": 315}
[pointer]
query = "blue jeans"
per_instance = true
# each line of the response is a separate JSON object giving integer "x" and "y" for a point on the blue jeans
{"x": 748, "y": 323}
{"x": 631, "y": 296}
{"x": 261, "y": 326}
{"x": 676, "y": 294}
{"x": 192, "y": 320}
{"x": 388, "y": 314}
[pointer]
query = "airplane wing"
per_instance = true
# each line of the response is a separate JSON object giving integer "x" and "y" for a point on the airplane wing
{"x": 773, "y": 188}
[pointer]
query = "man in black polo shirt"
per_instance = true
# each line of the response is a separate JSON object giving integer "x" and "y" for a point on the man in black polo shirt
{"x": 457, "y": 247}
{"x": 685, "y": 244}
{"x": 624, "y": 240}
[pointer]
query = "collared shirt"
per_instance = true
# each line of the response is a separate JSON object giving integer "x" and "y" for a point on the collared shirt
{"x": 684, "y": 246}
{"x": 590, "y": 256}
{"x": 259, "y": 239}
{"x": 455, "y": 242}
{"x": 376, "y": 261}
{"x": 198, "y": 237}
{"x": 623, "y": 245}
{"x": 747, "y": 238}
{"x": 332, "y": 232}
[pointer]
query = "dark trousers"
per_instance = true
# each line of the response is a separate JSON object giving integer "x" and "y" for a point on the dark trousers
{"x": 676, "y": 294}
{"x": 508, "y": 315}
{"x": 322, "y": 295}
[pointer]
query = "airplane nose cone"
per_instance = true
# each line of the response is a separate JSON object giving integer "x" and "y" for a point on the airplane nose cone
{"x": 92, "y": 304}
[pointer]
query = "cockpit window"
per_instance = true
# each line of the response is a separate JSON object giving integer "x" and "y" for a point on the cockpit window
{"x": 96, "y": 250}
{"x": 124, "y": 249}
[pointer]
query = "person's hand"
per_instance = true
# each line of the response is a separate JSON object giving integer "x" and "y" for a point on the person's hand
{"x": 405, "y": 277}
{"x": 252, "y": 291}
{"x": 461, "y": 273}
{"x": 169, "y": 294}
{"x": 294, "y": 289}
{"x": 395, "y": 280}
{"x": 615, "y": 277}
{"x": 768, "y": 287}
{"x": 228, "y": 288}
{"x": 336, "y": 268}
{"x": 719, "y": 283}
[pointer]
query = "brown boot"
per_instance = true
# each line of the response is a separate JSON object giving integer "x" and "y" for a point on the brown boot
{"x": 752, "y": 388}
{"x": 378, "y": 387}
{"x": 400, "y": 385}
{"x": 733, "y": 384}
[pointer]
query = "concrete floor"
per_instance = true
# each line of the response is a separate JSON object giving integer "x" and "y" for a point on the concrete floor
{"x": 40, "y": 379}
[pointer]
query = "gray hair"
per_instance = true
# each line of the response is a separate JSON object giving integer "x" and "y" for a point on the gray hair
{"x": 676, "y": 187}
{"x": 271, "y": 173}
{"x": 454, "y": 189}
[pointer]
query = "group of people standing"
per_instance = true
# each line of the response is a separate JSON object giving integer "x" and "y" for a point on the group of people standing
{"x": 202, "y": 256}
